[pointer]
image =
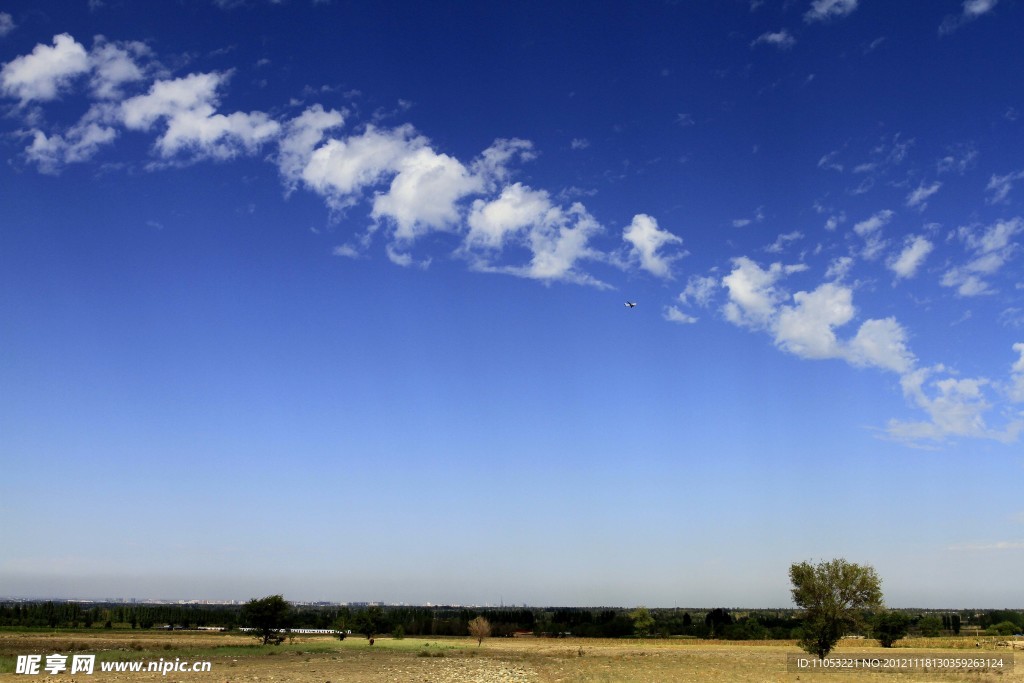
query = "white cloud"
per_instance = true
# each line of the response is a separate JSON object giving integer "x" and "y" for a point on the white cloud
{"x": 781, "y": 241}
{"x": 699, "y": 290}
{"x": 991, "y": 249}
{"x": 807, "y": 329}
{"x": 42, "y": 74}
{"x": 79, "y": 143}
{"x": 201, "y": 133}
{"x": 828, "y": 161}
{"x": 886, "y": 155}
{"x": 882, "y": 344}
{"x": 424, "y": 193}
{"x": 984, "y": 547}
{"x": 558, "y": 243}
{"x": 167, "y": 98}
{"x": 556, "y": 237}
{"x": 956, "y": 408}
{"x": 492, "y": 166}
{"x": 301, "y": 136}
{"x": 341, "y": 169}
{"x": 753, "y": 297}
{"x": 685, "y": 120}
{"x": 646, "y": 240}
{"x": 1000, "y": 186}
{"x": 1016, "y": 390}
{"x": 835, "y": 221}
{"x": 869, "y": 229}
{"x": 401, "y": 258}
{"x": 517, "y": 208}
{"x": 346, "y": 250}
{"x": 744, "y": 222}
{"x": 960, "y": 159}
{"x": 579, "y": 143}
{"x": 873, "y": 224}
{"x": 780, "y": 39}
{"x": 972, "y": 9}
{"x": 6, "y": 24}
{"x": 919, "y": 198}
{"x": 193, "y": 129}
{"x": 674, "y": 315}
{"x": 839, "y": 268}
{"x": 822, "y": 10}
{"x": 975, "y": 8}
{"x": 114, "y": 65}
{"x": 915, "y": 250}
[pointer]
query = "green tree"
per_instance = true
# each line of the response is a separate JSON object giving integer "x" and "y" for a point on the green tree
{"x": 930, "y": 626}
{"x": 642, "y": 621}
{"x": 479, "y": 628}
{"x": 833, "y": 596}
{"x": 1003, "y": 628}
{"x": 267, "y": 617}
{"x": 716, "y": 620}
{"x": 369, "y": 622}
{"x": 889, "y": 627}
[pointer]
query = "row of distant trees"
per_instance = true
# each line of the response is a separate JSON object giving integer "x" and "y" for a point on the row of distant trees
{"x": 441, "y": 621}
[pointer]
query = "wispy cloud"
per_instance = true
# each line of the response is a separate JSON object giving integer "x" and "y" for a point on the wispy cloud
{"x": 828, "y": 161}
{"x": 972, "y": 9}
{"x": 674, "y": 315}
{"x": 782, "y": 39}
{"x": 990, "y": 249}
{"x": 956, "y": 407}
{"x": 700, "y": 290}
{"x": 822, "y": 10}
{"x": 999, "y": 186}
{"x": 988, "y": 546}
{"x": 6, "y": 24}
{"x": 959, "y": 159}
{"x": 781, "y": 241}
{"x": 918, "y": 199}
{"x": 870, "y": 230}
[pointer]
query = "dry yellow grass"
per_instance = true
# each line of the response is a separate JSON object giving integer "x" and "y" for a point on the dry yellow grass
{"x": 525, "y": 660}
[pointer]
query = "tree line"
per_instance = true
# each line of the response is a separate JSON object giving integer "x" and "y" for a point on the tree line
{"x": 726, "y": 624}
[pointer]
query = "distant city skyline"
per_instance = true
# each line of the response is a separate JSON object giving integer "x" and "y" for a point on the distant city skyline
{"x": 329, "y": 299}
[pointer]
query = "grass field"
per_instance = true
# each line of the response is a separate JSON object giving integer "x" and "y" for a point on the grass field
{"x": 318, "y": 659}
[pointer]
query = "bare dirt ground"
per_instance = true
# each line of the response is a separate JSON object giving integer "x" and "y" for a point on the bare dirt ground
{"x": 412, "y": 660}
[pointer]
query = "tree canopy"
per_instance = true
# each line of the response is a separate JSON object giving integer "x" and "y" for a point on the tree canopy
{"x": 267, "y": 617}
{"x": 479, "y": 628}
{"x": 889, "y": 627}
{"x": 833, "y": 595}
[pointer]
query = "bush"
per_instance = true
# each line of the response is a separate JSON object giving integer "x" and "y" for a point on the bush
{"x": 889, "y": 627}
{"x": 1004, "y": 628}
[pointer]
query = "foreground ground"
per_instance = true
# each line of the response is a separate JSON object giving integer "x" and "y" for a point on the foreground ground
{"x": 527, "y": 660}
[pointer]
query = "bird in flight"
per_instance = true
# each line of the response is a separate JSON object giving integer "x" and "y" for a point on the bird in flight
{"x": 630, "y": 304}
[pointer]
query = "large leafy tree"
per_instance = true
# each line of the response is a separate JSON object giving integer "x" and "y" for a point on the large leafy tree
{"x": 267, "y": 617}
{"x": 834, "y": 596}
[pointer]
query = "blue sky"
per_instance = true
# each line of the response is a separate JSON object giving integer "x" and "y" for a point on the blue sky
{"x": 326, "y": 298}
